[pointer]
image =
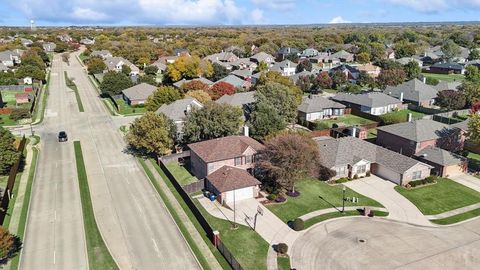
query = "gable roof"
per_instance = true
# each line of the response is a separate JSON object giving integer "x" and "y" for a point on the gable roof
{"x": 233, "y": 80}
{"x": 413, "y": 90}
{"x": 462, "y": 125}
{"x": 448, "y": 65}
{"x": 344, "y": 67}
{"x": 183, "y": 81}
{"x": 237, "y": 99}
{"x": 242, "y": 73}
{"x": 317, "y": 103}
{"x": 283, "y": 65}
{"x": 229, "y": 178}
{"x": 222, "y": 57}
{"x": 139, "y": 91}
{"x": 370, "y": 99}
{"x": 446, "y": 85}
{"x": 406, "y": 60}
{"x": 224, "y": 148}
{"x": 419, "y": 130}
{"x": 439, "y": 156}
{"x": 342, "y": 55}
{"x": 177, "y": 109}
{"x": 349, "y": 150}
{"x": 262, "y": 56}
{"x": 112, "y": 62}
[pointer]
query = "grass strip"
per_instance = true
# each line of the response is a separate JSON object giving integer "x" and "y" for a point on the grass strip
{"x": 99, "y": 256}
{"x": 312, "y": 221}
{"x": 283, "y": 263}
{"x": 70, "y": 84}
{"x": 203, "y": 262}
{"x": 39, "y": 111}
{"x": 457, "y": 218}
{"x": 192, "y": 218}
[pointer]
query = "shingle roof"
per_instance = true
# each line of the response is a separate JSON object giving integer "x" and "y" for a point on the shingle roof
{"x": 283, "y": 65}
{"x": 446, "y": 85}
{"x": 237, "y": 99}
{"x": 111, "y": 62}
{"x": 342, "y": 54}
{"x": 242, "y": 73}
{"x": 139, "y": 91}
{"x": 406, "y": 60}
{"x": 176, "y": 110}
{"x": 233, "y": 80}
{"x": 349, "y": 150}
{"x": 287, "y": 50}
{"x": 461, "y": 125}
{"x": 183, "y": 81}
{"x": 224, "y": 148}
{"x": 317, "y": 104}
{"x": 3, "y": 67}
{"x": 222, "y": 57}
{"x": 419, "y": 130}
{"x": 229, "y": 178}
{"x": 262, "y": 56}
{"x": 439, "y": 156}
{"x": 413, "y": 90}
{"x": 370, "y": 99}
{"x": 448, "y": 66}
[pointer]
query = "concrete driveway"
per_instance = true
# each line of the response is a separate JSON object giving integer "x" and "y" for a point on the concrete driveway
{"x": 467, "y": 180}
{"x": 383, "y": 191}
{"x": 387, "y": 245}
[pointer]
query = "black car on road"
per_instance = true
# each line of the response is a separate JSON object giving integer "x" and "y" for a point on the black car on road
{"x": 62, "y": 136}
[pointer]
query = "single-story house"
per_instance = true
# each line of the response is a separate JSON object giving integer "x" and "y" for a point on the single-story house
{"x": 343, "y": 56}
{"x": 350, "y": 157}
{"x": 243, "y": 100}
{"x": 286, "y": 68}
{"x": 116, "y": 64}
{"x": 350, "y": 72}
{"x": 314, "y": 107}
{"x": 295, "y": 77}
{"x": 448, "y": 85}
{"x": 104, "y": 54}
{"x": 375, "y": 103}
{"x": 236, "y": 81}
{"x": 244, "y": 63}
{"x": 231, "y": 184}
{"x": 222, "y": 57}
{"x": 178, "y": 110}
{"x": 444, "y": 163}
{"x": 285, "y": 51}
{"x": 372, "y": 70}
{"x": 201, "y": 79}
{"x": 138, "y": 94}
{"x": 413, "y": 91}
{"x": 309, "y": 52}
{"x": 410, "y": 138}
{"x": 22, "y": 98}
{"x": 244, "y": 74}
{"x": 263, "y": 57}
{"x": 406, "y": 60}
{"x": 447, "y": 68}
{"x": 237, "y": 151}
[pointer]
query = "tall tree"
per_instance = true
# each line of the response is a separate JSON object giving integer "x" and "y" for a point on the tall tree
{"x": 126, "y": 70}
{"x": 9, "y": 245}
{"x": 391, "y": 77}
{"x": 219, "y": 72}
{"x": 152, "y": 134}
{"x": 471, "y": 90}
{"x": 306, "y": 83}
{"x": 450, "y": 49}
{"x": 451, "y": 99}
{"x": 212, "y": 121}
{"x": 474, "y": 54}
{"x": 474, "y": 128}
{"x": 32, "y": 71}
{"x": 200, "y": 95}
{"x": 262, "y": 66}
{"x": 151, "y": 70}
{"x": 219, "y": 89}
{"x": 472, "y": 74}
{"x": 412, "y": 70}
{"x": 363, "y": 57}
{"x": 305, "y": 64}
{"x": 339, "y": 78}
{"x": 114, "y": 83}
{"x": 273, "y": 76}
{"x": 188, "y": 67}
{"x": 323, "y": 80}
{"x": 163, "y": 95}
{"x": 95, "y": 65}
{"x": 8, "y": 153}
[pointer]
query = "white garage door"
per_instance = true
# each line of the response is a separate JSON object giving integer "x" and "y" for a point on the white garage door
{"x": 240, "y": 194}
{"x": 388, "y": 174}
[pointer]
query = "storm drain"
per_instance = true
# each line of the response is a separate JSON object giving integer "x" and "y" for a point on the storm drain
{"x": 362, "y": 241}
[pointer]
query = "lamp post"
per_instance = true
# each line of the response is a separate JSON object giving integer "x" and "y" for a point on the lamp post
{"x": 343, "y": 200}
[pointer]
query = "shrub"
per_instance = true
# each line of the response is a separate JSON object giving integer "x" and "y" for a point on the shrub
{"x": 282, "y": 248}
{"x": 271, "y": 197}
{"x": 298, "y": 224}
{"x": 280, "y": 199}
{"x": 393, "y": 118}
{"x": 355, "y": 176}
{"x": 319, "y": 125}
{"x": 342, "y": 180}
{"x": 368, "y": 174}
{"x": 421, "y": 182}
{"x": 18, "y": 114}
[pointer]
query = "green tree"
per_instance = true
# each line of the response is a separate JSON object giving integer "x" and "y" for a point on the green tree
{"x": 474, "y": 128}
{"x": 364, "y": 79}
{"x": 60, "y": 47}
{"x": 472, "y": 74}
{"x": 7, "y": 78}
{"x": 212, "y": 121}
{"x": 33, "y": 71}
{"x": 474, "y": 54}
{"x": 163, "y": 95}
{"x": 451, "y": 99}
{"x": 405, "y": 49}
{"x": 450, "y": 49}
{"x": 150, "y": 79}
{"x": 273, "y": 76}
{"x": 262, "y": 66}
{"x": 377, "y": 51}
{"x": 8, "y": 153}
{"x": 126, "y": 70}
{"x": 363, "y": 57}
{"x": 152, "y": 134}
{"x": 219, "y": 72}
{"x": 338, "y": 78}
{"x": 150, "y": 70}
{"x": 471, "y": 90}
{"x": 304, "y": 65}
{"x": 412, "y": 70}
{"x": 31, "y": 57}
{"x": 95, "y": 65}
{"x": 392, "y": 77}
{"x": 114, "y": 83}
{"x": 266, "y": 120}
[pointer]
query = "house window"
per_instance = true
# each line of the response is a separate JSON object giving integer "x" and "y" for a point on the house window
{"x": 238, "y": 161}
{"x": 340, "y": 171}
{"x": 417, "y": 175}
{"x": 248, "y": 159}
{"x": 361, "y": 169}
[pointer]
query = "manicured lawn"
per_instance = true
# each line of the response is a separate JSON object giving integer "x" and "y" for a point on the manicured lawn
{"x": 404, "y": 113}
{"x": 124, "y": 108}
{"x": 283, "y": 263}
{"x": 316, "y": 195}
{"x": 441, "y": 197}
{"x": 98, "y": 255}
{"x": 181, "y": 174}
{"x": 247, "y": 246}
{"x": 445, "y": 77}
{"x": 347, "y": 120}
{"x": 310, "y": 222}
{"x": 458, "y": 218}
{"x": 6, "y": 121}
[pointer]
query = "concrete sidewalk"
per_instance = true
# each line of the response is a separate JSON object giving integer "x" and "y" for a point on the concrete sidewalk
{"x": 399, "y": 207}
{"x": 467, "y": 180}
{"x": 455, "y": 212}
{"x": 332, "y": 210}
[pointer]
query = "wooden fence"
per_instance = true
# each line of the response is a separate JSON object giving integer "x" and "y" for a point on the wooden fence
{"x": 11, "y": 181}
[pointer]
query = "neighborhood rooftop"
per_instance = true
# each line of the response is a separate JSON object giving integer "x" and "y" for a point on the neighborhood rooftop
{"x": 238, "y": 99}
{"x": 318, "y": 103}
{"x": 139, "y": 91}
{"x": 229, "y": 178}
{"x": 413, "y": 90}
{"x": 419, "y": 130}
{"x": 439, "y": 156}
{"x": 370, "y": 99}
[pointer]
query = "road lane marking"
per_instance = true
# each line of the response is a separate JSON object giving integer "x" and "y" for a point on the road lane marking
{"x": 156, "y": 247}
{"x": 54, "y": 257}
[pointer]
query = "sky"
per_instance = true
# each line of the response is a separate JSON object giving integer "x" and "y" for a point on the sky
{"x": 232, "y": 12}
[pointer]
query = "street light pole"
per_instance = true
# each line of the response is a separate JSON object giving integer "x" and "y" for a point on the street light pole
{"x": 343, "y": 200}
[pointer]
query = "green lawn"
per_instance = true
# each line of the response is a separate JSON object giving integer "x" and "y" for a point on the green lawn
{"x": 404, "y": 113}
{"x": 124, "y": 108}
{"x": 181, "y": 174}
{"x": 347, "y": 120}
{"x": 283, "y": 263}
{"x": 70, "y": 84}
{"x": 441, "y": 197}
{"x": 247, "y": 246}
{"x": 473, "y": 161}
{"x": 310, "y": 222}
{"x": 98, "y": 255}
{"x": 10, "y": 101}
{"x": 330, "y": 91}
{"x": 445, "y": 77}
{"x": 458, "y": 218}
{"x": 316, "y": 195}
{"x": 372, "y": 133}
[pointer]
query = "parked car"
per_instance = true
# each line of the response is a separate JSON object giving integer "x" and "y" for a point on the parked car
{"x": 62, "y": 136}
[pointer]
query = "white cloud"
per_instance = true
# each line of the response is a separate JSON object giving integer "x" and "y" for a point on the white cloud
{"x": 275, "y": 4}
{"x": 88, "y": 14}
{"x": 339, "y": 19}
{"x": 257, "y": 16}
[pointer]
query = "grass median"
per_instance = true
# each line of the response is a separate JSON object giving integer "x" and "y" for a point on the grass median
{"x": 39, "y": 111}
{"x": 99, "y": 256}
{"x": 70, "y": 84}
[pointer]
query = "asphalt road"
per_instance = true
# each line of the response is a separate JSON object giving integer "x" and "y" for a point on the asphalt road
{"x": 132, "y": 218}
{"x": 55, "y": 238}
{"x": 363, "y": 243}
